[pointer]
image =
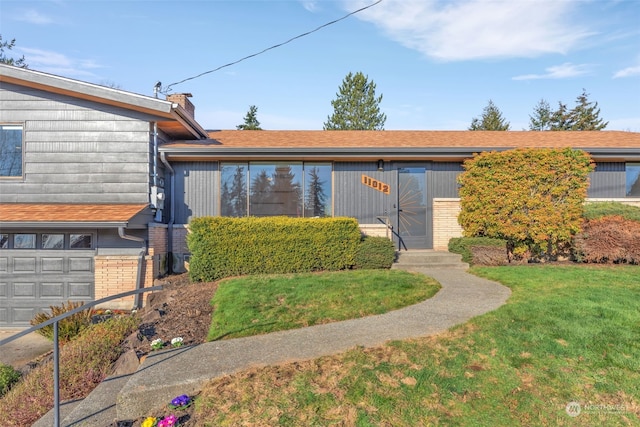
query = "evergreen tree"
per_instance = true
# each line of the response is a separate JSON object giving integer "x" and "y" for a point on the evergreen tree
{"x": 226, "y": 207}
{"x": 250, "y": 120}
{"x": 541, "y": 118}
{"x": 491, "y": 119}
{"x": 356, "y": 106}
{"x": 561, "y": 119}
{"x": 315, "y": 197}
{"x": 261, "y": 190}
{"x": 4, "y": 59}
{"x": 286, "y": 195}
{"x": 239, "y": 193}
{"x": 586, "y": 115}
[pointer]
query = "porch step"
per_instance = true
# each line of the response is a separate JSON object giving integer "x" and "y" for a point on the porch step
{"x": 418, "y": 259}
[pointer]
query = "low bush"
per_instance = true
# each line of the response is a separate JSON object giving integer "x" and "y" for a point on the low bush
{"x": 375, "y": 253}
{"x": 69, "y": 327}
{"x": 464, "y": 246}
{"x": 609, "y": 239}
{"x": 595, "y": 210}
{"x": 223, "y": 247}
{"x": 8, "y": 377}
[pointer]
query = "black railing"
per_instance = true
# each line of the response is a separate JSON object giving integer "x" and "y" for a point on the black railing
{"x": 385, "y": 221}
{"x": 56, "y": 348}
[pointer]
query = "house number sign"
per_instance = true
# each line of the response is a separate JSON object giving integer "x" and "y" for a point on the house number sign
{"x": 375, "y": 184}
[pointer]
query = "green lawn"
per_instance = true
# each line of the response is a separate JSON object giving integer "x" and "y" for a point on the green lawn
{"x": 260, "y": 304}
{"x": 567, "y": 334}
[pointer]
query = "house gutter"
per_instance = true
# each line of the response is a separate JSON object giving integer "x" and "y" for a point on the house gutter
{"x": 172, "y": 210}
{"x": 143, "y": 251}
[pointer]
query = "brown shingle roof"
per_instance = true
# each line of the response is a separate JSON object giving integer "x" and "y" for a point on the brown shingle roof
{"x": 68, "y": 213}
{"x": 414, "y": 139}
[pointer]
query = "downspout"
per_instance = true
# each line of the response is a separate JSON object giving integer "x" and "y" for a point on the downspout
{"x": 171, "y": 211}
{"x": 143, "y": 252}
{"x": 158, "y": 217}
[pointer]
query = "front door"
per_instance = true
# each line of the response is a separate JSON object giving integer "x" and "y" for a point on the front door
{"x": 412, "y": 207}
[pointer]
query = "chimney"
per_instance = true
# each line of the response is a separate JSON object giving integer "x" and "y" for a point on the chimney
{"x": 182, "y": 99}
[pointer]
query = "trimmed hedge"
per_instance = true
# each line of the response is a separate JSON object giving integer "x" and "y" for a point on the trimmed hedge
{"x": 464, "y": 245}
{"x": 223, "y": 247}
{"x": 375, "y": 252}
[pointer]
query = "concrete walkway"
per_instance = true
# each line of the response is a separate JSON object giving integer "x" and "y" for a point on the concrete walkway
{"x": 170, "y": 373}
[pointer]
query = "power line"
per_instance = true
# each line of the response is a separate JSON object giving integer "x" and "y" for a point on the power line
{"x": 272, "y": 47}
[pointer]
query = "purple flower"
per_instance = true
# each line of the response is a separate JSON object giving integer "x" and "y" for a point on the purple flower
{"x": 181, "y": 401}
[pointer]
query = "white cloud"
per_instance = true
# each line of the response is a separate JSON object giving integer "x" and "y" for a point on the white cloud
{"x": 563, "y": 71}
{"x": 476, "y": 29}
{"x": 627, "y": 72}
{"x": 32, "y": 16}
{"x": 59, "y": 64}
{"x": 310, "y": 5}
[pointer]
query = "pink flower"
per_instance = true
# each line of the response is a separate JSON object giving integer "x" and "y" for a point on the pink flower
{"x": 168, "y": 421}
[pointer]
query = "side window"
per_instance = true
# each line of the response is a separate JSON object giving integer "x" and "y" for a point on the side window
{"x": 10, "y": 151}
{"x": 633, "y": 179}
{"x": 4, "y": 241}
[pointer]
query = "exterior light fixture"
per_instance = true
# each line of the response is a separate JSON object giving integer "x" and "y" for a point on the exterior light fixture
{"x": 380, "y": 165}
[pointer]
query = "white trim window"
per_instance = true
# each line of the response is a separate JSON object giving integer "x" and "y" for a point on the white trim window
{"x": 10, "y": 151}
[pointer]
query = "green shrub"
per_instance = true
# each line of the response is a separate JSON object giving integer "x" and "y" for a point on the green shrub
{"x": 595, "y": 210}
{"x": 8, "y": 377}
{"x": 375, "y": 253}
{"x": 463, "y": 245}
{"x": 223, "y": 247}
{"x": 69, "y": 327}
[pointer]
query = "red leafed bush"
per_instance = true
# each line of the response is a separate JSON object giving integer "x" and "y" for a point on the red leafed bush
{"x": 610, "y": 239}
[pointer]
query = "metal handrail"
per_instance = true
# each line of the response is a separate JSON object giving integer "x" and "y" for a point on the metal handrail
{"x": 390, "y": 227}
{"x": 56, "y": 348}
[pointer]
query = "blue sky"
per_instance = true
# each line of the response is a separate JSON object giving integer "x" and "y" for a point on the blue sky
{"x": 436, "y": 63}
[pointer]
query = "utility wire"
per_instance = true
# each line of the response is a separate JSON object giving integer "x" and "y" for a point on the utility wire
{"x": 272, "y": 47}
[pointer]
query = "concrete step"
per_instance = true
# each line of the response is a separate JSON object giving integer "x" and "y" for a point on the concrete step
{"x": 416, "y": 259}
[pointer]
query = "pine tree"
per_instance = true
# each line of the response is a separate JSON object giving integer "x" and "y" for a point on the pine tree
{"x": 586, "y": 115}
{"x": 4, "y": 59}
{"x": 541, "y": 118}
{"x": 316, "y": 197}
{"x": 250, "y": 120}
{"x": 491, "y": 119}
{"x": 356, "y": 106}
{"x": 561, "y": 118}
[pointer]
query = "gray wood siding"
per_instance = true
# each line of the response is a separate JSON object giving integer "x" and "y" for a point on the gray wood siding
{"x": 196, "y": 190}
{"x": 353, "y": 199}
{"x": 608, "y": 180}
{"x": 77, "y": 151}
{"x": 441, "y": 179}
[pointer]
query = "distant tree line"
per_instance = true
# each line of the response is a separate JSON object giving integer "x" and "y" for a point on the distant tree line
{"x": 585, "y": 115}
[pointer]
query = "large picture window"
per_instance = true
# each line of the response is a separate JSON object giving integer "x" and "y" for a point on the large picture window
{"x": 633, "y": 179}
{"x": 10, "y": 150}
{"x": 293, "y": 189}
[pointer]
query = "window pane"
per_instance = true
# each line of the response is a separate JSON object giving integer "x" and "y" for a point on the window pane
{"x": 233, "y": 189}
{"x": 276, "y": 189}
{"x": 53, "y": 241}
{"x": 633, "y": 179}
{"x": 10, "y": 150}
{"x": 24, "y": 241}
{"x": 80, "y": 241}
{"x": 317, "y": 189}
{"x": 4, "y": 241}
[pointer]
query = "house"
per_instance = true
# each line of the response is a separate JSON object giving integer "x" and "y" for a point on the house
{"x": 99, "y": 185}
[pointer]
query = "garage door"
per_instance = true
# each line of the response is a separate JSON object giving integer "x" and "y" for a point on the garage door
{"x": 33, "y": 280}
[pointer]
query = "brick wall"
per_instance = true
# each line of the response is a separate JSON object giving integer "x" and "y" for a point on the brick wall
{"x": 158, "y": 248}
{"x": 118, "y": 273}
{"x": 445, "y": 222}
{"x": 379, "y": 230}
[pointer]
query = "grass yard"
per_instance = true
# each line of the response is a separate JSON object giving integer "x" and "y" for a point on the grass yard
{"x": 255, "y": 305}
{"x": 567, "y": 334}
